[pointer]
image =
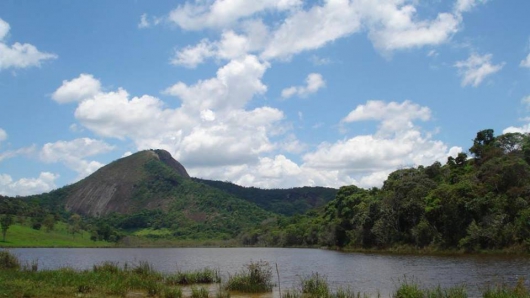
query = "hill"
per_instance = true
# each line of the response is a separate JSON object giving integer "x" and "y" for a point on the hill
{"x": 288, "y": 202}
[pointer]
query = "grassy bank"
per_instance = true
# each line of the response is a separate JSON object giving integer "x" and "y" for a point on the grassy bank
{"x": 24, "y": 236}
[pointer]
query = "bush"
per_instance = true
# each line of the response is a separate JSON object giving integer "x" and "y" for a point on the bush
{"x": 256, "y": 277}
{"x": 8, "y": 261}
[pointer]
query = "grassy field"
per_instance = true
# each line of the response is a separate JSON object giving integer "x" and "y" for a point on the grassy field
{"x": 24, "y": 236}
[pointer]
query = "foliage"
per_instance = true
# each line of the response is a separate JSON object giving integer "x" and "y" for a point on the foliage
{"x": 5, "y": 222}
{"x": 287, "y": 202}
{"x": 468, "y": 204}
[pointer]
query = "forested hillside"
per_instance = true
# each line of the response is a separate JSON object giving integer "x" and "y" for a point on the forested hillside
{"x": 288, "y": 202}
{"x": 481, "y": 201}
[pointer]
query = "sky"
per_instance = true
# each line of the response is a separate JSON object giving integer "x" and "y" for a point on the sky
{"x": 265, "y": 93}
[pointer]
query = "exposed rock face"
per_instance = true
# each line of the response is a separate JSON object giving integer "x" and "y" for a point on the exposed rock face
{"x": 166, "y": 158}
{"x": 111, "y": 188}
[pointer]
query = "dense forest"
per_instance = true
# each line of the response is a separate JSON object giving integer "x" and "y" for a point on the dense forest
{"x": 472, "y": 202}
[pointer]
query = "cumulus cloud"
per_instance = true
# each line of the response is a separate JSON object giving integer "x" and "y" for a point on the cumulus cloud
{"x": 19, "y": 55}
{"x": 211, "y": 118}
{"x": 235, "y": 84}
{"x": 391, "y": 25}
{"x": 368, "y": 159}
{"x": 27, "y": 186}
{"x": 314, "y": 82}
{"x": 393, "y": 116}
{"x": 73, "y": 153}
{"x": 476, "y": 68}
{"x": 78, "y": 89}
{"x": 222, "y": 14}
{"x": 525, "y": 62}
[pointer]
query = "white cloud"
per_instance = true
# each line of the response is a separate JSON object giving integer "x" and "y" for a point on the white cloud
{"x": 19, "y": 55}
{"x": 393, "y": 26}
{"x": 211, "y": 118}
{"x": 393, "y": 116}
{"x": 311, "y": 29}
{"x": 144, "y": 23}
{"x": 367, "y": 159}
{"x": 14, "y": 153}
{"x": 466, "y": 5}
{"x": 525, "y": 62}
{"x": 3, "y": 135}
{"x": 521, "y": 129}
{"x": 191, "y": 56}
{"x": 73, "y": 154}
{"x": 314, "y": 82}
{"x": 78, "y": 89}
{"x": 27, "y": 186}
{"x": 476, "y": 68}
{"x": 235, "y": 84}
{"x": 4, "y": 29}
{"x": 223, "y": 13}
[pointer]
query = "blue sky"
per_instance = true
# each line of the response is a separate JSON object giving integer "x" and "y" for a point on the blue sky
{"x": 270, "y": 93}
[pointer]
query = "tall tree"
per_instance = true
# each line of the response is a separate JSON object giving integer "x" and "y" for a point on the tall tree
{"x": 6, "y": 222}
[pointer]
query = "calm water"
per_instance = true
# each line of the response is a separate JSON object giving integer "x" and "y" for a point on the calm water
{"x": 367, "y": 273}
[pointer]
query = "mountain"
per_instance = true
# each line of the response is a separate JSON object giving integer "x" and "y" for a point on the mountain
{"x": 149, "y": 190}
{"x": 117, "y": 186}
{"x": 288, "y": 202}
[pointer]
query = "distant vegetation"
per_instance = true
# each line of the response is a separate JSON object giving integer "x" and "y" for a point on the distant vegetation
{"x": 470, "y": 203}
{"x": 287, "y": 202}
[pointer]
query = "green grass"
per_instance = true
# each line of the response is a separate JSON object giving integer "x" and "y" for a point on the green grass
{"x": 24, "y": 236}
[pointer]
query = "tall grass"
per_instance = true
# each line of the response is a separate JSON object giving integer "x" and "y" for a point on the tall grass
{"x": 204, "y": 276}
{"x": 505, "y": 291}
{"x": 255, "y": 277}
{"x": 8, "y": 261}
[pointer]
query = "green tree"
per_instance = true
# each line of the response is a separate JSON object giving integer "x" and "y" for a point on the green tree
{"x": 49, "y": 222}
{"x": 74, "y": 224}
{"x": 6, "y": 222}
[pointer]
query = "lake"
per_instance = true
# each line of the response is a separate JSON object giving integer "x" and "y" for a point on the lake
{"x": 367, "y": 273}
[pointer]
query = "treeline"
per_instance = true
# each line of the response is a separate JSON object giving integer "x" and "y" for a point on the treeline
{"x": 475, "y": 202}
